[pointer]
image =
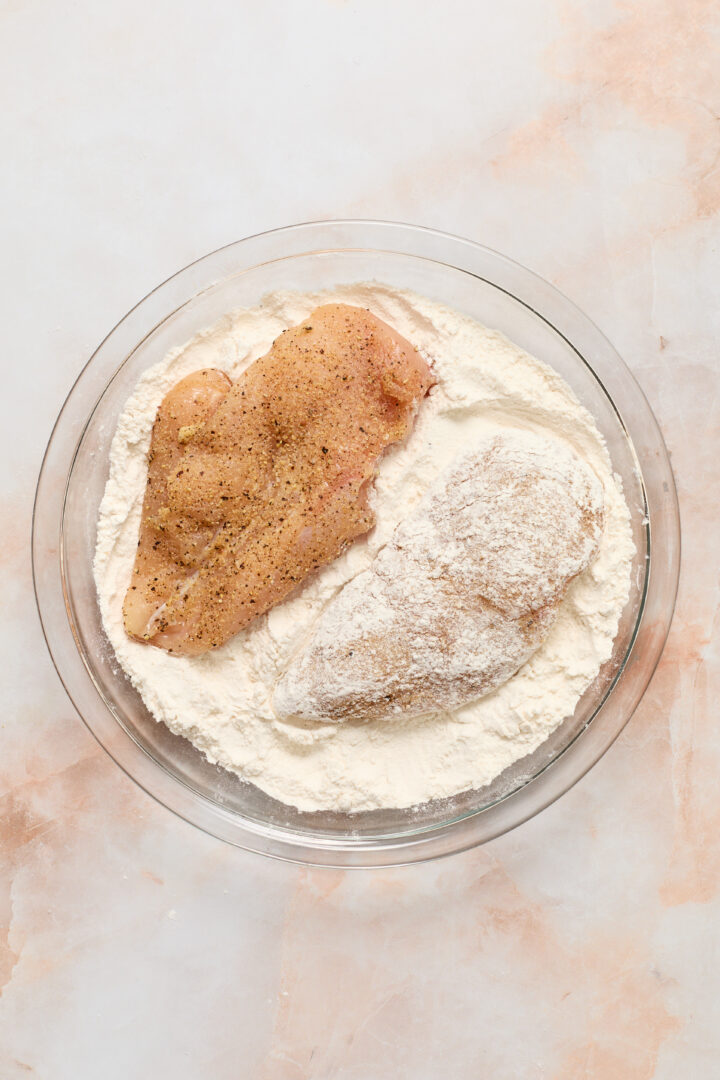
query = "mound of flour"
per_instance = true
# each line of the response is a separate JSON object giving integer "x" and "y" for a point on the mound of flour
{"x": 221, "y": 701}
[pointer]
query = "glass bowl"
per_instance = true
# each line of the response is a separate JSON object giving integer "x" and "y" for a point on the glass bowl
{"x": 495, "y": 291}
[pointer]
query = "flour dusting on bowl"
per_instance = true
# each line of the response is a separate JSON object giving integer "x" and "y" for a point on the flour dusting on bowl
{"x": 222, "y": 701}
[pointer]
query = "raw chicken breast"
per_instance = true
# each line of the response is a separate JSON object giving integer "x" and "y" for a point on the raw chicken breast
{"x": 463, "y": 594}
{"x": 254, "y": 485}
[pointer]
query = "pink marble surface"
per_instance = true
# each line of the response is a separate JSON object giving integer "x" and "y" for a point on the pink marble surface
{"x": 580, "y": 138}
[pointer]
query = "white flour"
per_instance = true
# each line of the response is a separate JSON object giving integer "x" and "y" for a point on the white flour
{"x": 221, "y": 701}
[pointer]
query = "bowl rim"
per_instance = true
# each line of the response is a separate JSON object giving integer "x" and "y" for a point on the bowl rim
{"x": 348, "y": 851}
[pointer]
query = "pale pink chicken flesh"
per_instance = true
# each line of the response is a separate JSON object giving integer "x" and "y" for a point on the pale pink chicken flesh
{"x": 255, "y": 484}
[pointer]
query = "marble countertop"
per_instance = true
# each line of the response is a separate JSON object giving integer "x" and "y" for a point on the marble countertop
{"x": 580, "y": 138}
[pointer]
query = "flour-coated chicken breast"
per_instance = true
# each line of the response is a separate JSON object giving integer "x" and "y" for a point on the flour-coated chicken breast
{"x": 463, "y": 594}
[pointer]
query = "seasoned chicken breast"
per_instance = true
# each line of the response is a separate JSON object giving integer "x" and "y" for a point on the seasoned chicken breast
{"x": 255, "y": 484}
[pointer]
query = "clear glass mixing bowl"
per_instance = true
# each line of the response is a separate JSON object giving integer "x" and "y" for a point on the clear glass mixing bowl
{"x": 466, "y": 276}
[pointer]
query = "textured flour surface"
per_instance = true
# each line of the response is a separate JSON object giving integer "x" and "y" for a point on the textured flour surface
{"x": 222, "y": 701}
